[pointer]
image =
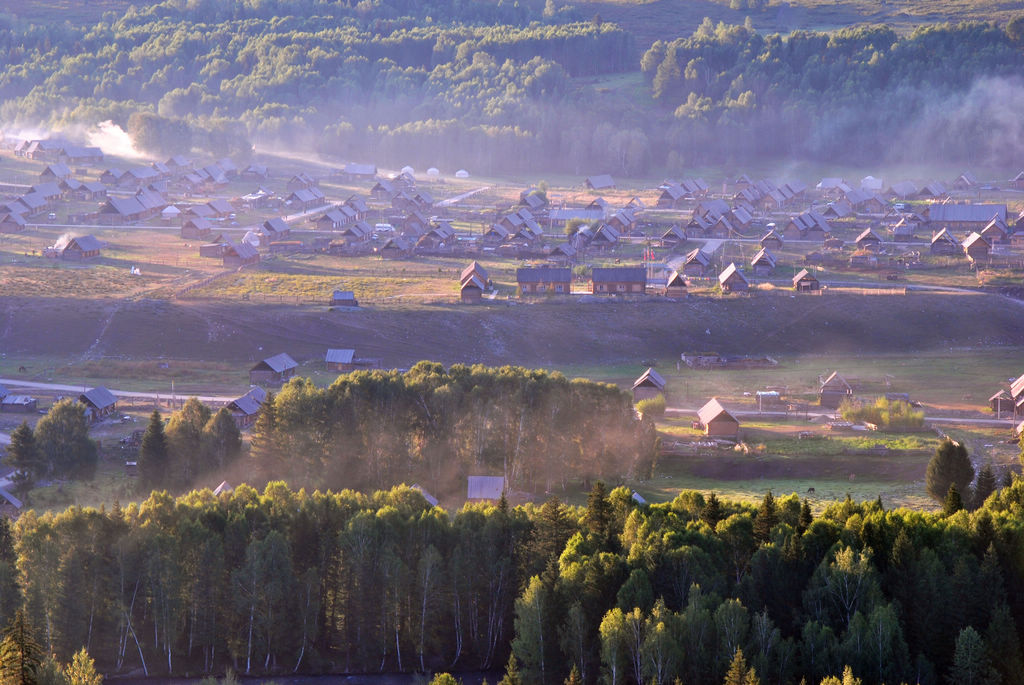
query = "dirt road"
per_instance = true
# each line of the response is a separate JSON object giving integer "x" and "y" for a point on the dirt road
{"x": 20, "y": 384}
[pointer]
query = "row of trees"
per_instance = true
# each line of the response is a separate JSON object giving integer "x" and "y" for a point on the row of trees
{"x": 196, "y": 441}
{"x": 614, "y": 591}
{"x": 435, "y": 426}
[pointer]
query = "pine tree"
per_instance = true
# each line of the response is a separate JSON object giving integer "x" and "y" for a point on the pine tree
{"x": 263, "y": 442}
{"x": 599, "y": 513}
{"x": 971, "y": 665}
{"x": 953, "y": 502}
{"x": 767, "y": 517}
{"x": 711, "y": 512}
{"x": 806, "y": 518}
{"x": 20, "y": 654}
{"x": 574, "y": 677}
{"x": 24, "y": 456}
{"x": 985, "y": 485}
{"x": 949, "y": 466}
{"x": 153, "y": 454}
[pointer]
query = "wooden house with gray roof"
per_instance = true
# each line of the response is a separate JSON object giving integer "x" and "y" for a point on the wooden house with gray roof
{"x": 99, "y": 403}
{"x": 540, "y": 280}
{"x": 618, "y": 280}
{"x": 650, "y": 384}
{"x": 275, "y": 370}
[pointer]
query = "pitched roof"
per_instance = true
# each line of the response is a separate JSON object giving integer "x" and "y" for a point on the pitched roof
{"x": 98, "y": 397}
{"x": 836, "y": 382}
{"x": 650, "y": 377}
{"x": 336, "y": 356}
{"x": 600, "y": 181}
{"x": 278, "y": 363}
{"x": 944, "y": 236}
{"x": 543, "y": 274}
{"x": 975, "y": 238}
{"x": 869, "y": 235}
{"x": 763, "y": 257}
{"x": 697, "y": 256}
{"x": 473, "y": 268}
{"x": 86, "y": 243}
{"x": 730, "y": 271}
{"x": 976, "y": 213}
{"x": 275, "y": 225}
{"x": 615, "y": 274}
{"x": 804, "y": 273}
{"x": 712, "y": 410}
{"x": 1017, "y": 387}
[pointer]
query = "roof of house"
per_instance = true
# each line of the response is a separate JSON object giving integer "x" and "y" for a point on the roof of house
{"x": 343, "y": 296}
{"x": 868, "y": 235}
{"x": 764, "y": 257}
{"x": 1017, "y": 387}
{"x": 944, "y": 236}
{"x": 335, "y": 356}
{"x": 600, "y": 181}
{"x": 616, "y": 274}
{"x": 278, "y": 363}
{"x": 729, "y": 272}
{"x": 697, "y": 256}
{"x": 276, "y": 225}
{"x": 221, "y": 205}
{"x": 650, "y": 377}
{"x": 977, "y": 213}
{"x": 675, "y": 280}
{"x": 713, "y": 410}
{"x": 802, "y": 275}
{"x": 484, "y": 487}
{"x": 836, "y": 382}
{"x": 975, "y": 238}
{"x": 98, "y": 397}
{"x": 86, "y": 243}
{"x": 249, "y": 403}
{"x": 543, "y": 274}
{"x": 241, "y": 249}
{"x": 473, "y": 268}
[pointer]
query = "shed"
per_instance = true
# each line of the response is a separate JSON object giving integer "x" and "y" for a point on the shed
{"x": 485, "y": 487}
{"x": 763, "y": 262}
{"x": 717, "y": 421}
{"x": 675, "y": 286}
{"x": 340, "y": 360}
{"x": 868, "y": 240}
{"x": 344, "y": 298}
{"x": 196, "y": 228}
{"x": 23, "y": 404}
{"x": 649, "y": 384}
{"x": 99, "y": 403}
{"x": 245, "y": 409}
{"x": 806, "y": 282}
{"x": 732, "y": 280}
{"x": 834, "y": 390}
{"x": 976, "y": 247}
{"x": 273, "y": 370}
{"x": 1001, "y": 403}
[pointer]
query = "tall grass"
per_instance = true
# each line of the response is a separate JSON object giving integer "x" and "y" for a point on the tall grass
{"x": 893, "y": 415}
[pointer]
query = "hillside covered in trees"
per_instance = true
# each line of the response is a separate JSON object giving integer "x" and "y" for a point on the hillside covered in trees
{"x": 623, "y": 593}
{"x": 504, "y": 87}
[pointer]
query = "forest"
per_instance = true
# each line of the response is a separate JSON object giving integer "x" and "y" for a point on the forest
{"x": 510, "y": 86}
{"x": 615, "y": 592}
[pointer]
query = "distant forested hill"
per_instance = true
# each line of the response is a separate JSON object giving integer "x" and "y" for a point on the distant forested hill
{"x": 501, "y": 87}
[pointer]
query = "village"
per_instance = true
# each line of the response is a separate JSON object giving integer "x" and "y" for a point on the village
{"x": 349, "y": 238}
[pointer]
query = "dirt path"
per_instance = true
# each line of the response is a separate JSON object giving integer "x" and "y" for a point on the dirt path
{"x": 20, "y": 384}
{"x": 692, "y": 411}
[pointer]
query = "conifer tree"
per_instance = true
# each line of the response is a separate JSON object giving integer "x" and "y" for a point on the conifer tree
{"x": 949, "y": 466}
{"x": 24, "y": 456}
{"x": 711, "y": 512}
{"x": 767, "y": 517}
{"x": 985, "y": 485}
{"x": 153, "y": 454}
{"x": 953, "y": 502}
{"x": 20, "y": 654}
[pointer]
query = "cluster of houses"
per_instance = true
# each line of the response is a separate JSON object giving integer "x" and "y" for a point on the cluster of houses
{"x": 713, "y": 419}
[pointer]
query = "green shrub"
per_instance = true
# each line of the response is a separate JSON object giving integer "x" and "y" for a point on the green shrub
{"x": 652, "y": 407}
{"x": 891, "y": 415}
